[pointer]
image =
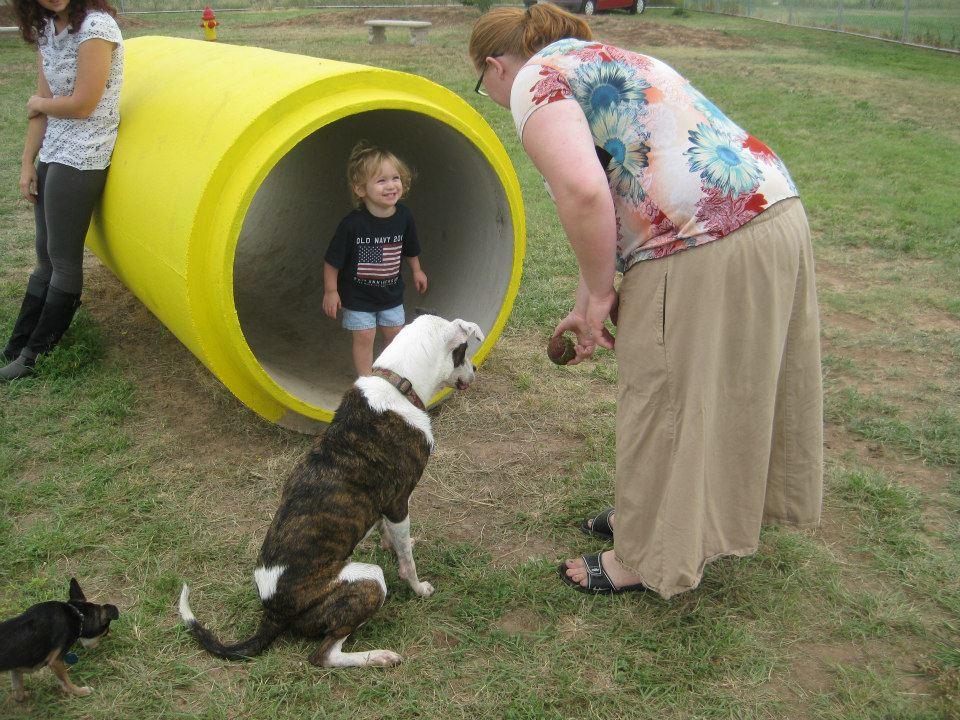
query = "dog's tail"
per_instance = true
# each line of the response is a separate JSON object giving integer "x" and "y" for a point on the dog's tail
{"x": 265, "y": 635}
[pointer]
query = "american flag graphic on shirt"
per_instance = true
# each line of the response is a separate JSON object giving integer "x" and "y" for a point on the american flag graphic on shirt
{"x": 379, "y": 262}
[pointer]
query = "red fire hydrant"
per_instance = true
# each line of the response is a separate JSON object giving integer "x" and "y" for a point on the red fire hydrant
{"x": 209, "y": 24}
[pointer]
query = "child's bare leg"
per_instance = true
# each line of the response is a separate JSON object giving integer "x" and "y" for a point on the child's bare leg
{"x": 389, "y": 333}
{"x": 363, "y": 350}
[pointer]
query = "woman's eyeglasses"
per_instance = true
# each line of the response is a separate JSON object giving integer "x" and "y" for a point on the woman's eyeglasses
{"x": 480, "y": 89}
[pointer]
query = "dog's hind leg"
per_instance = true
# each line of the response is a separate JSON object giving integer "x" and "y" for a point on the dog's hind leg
{"x": 358, "y": 595}
{"x": 330, "y": 654}
{"x": 60, "y": 670}
{"x": 399, "y": 535}
{"x": 19, "y": 694}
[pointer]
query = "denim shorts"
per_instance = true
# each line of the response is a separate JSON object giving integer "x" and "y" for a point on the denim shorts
{"x": 363, "y": 320}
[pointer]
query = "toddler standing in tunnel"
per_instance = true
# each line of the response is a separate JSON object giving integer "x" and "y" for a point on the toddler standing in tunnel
{"x": 361, "y": 269}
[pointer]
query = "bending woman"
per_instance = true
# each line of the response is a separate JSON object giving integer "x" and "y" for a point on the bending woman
{"x": 72, "y": 126}
{"x": 719, "y": 408}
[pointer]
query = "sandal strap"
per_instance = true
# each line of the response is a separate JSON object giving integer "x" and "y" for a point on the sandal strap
{"x": 597, "y": 577}
{"x": 601, "y": 523}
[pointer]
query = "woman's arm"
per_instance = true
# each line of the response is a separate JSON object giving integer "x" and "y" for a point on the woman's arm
{"x": 93, "y": 69}
{"x": 558, "y": 141}
{"x": 36, "y": 127}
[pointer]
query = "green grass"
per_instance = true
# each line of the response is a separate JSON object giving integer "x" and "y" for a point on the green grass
{"x": 123, "y": 463}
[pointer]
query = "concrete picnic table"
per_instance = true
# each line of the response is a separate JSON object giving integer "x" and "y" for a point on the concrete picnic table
{"x": 418, "y": 30}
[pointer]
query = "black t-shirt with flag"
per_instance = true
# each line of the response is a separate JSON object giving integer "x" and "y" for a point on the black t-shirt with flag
{"x": 367, "y": 250}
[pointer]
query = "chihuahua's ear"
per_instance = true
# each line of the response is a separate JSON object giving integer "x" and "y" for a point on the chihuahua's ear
{"x": 112, "y": 611}
{"x": 75, "y": 592}
{"x": 460, "y": 331}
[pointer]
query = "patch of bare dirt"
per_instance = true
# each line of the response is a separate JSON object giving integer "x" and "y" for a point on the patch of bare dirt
{"x": 488, "y": 482}
{"x": 227, "y": 460}
{"x": 628, "y": 31}
{"x": 814, "y": 667}
{"x": 440, "y": 17}
{"x": 133, "y": 21}
{"x": 522, "y": 621}
{"x": 638, "y": 33}
{"x": 490, "y": 465}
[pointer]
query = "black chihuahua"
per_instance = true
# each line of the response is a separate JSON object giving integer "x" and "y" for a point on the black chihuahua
{"x": 46, "y": 631}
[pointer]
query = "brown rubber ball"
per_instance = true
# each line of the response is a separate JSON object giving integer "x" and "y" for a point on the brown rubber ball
{"x": 560, "y": 350}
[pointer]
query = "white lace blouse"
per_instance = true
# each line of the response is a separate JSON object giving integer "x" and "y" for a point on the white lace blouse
{"x": 83, "y": 143}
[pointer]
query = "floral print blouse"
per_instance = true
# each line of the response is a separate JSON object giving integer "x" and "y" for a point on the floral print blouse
{"x": 681, "y": 172}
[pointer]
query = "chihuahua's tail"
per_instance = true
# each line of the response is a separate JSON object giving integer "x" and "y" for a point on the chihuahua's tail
{"x": 255, "y": 645}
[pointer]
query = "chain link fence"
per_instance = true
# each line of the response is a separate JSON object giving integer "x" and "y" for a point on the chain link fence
{"x": 935, "y": 23}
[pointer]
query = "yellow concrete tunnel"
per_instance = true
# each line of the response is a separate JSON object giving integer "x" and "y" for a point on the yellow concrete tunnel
{"x": 228, "y": 180}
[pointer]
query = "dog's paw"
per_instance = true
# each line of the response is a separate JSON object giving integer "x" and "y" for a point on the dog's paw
{"x": 83, "y": 691}
{"x": 384, "y": 658}
{"x": 22, "y": 696}
{"x": 423, "y": 589}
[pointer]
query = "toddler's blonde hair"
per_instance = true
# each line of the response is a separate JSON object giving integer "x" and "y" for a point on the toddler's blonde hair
{"x": 365, "y": 161}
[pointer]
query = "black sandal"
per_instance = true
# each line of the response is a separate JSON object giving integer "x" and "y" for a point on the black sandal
{"x": 598, "y": 582}
{"x": 600, "y": 526}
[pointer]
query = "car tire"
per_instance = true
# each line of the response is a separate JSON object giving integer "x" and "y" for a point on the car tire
{"x": 638, "y": 7}
{"x": 589, "y": 7}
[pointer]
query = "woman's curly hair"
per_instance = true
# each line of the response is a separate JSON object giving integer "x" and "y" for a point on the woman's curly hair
{"x": 31, "y": 16}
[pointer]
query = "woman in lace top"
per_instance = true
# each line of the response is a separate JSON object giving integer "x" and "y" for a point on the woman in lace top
{"x": 71, "y": 131}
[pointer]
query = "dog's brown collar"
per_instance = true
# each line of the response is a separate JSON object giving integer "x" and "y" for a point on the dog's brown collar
{"x": 400, "y": 383}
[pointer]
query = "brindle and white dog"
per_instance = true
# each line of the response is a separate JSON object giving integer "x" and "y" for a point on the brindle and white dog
{"x": 360, "y": 473}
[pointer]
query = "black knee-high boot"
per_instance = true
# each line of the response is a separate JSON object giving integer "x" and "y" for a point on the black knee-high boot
{"x": 55, "y": 318}
{"x": 30, "y": 310}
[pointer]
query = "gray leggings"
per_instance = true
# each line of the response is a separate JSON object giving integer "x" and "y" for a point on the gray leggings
{"x": 65, "y": 201}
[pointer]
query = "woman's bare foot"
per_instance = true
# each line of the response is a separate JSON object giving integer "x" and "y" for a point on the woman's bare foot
{"x": 619, "y": 575}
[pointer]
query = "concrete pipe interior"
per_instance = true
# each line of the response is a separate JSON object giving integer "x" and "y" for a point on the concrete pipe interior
{"x": 463, "y": 223}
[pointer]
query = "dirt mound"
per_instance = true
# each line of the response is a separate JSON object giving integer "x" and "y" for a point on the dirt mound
{"x": 621, "y": 29}
{"x": 7, "y": 18}
{"x": 440, "y": 16}
{"x": 637, "y": 33}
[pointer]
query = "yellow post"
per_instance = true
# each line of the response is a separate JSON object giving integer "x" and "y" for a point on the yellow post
{"x": 228, "y": 181}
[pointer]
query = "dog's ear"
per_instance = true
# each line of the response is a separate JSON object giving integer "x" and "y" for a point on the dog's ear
{"x": 461, "y": 331}
{"x": 75, "y": 592}
{"x": 112, "y": 611}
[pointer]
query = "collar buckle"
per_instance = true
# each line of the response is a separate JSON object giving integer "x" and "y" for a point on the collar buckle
{"x": 400, "y": 383}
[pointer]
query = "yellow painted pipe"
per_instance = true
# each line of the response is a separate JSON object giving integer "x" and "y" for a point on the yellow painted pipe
{"x": 228, "y": 180}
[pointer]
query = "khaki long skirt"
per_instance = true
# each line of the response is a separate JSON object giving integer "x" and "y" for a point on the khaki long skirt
{"x": 720, "y": 400}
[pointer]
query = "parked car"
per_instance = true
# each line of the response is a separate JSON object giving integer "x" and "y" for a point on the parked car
{"x": 589, "y": 7}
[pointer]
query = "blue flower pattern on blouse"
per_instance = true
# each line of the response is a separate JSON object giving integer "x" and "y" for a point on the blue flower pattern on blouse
{"x": 721, "y": 162}
{"x": 681, "y": 173}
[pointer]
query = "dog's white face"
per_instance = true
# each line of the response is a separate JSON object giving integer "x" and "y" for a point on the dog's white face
{"x": 462, "y": 370}
{"x": 433, "y": 353}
